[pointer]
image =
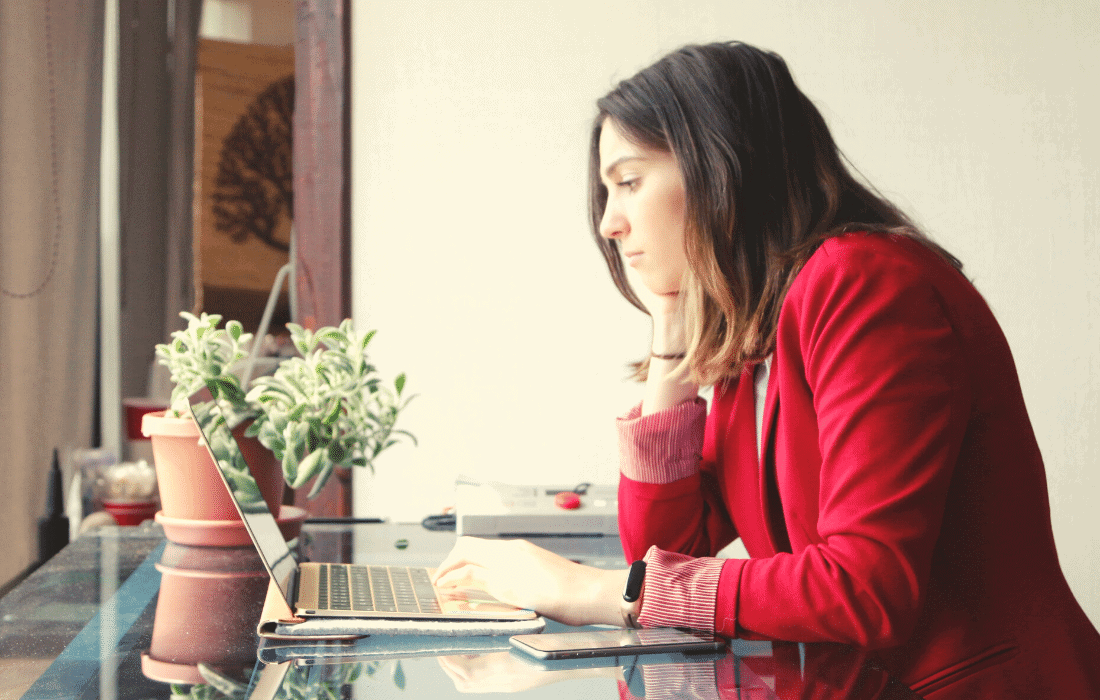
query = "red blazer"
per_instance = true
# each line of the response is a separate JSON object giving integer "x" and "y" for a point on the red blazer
{"x": 902, "y": 506}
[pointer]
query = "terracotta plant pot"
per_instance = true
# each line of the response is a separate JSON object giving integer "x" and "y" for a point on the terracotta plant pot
{"x": 190, "y": 487}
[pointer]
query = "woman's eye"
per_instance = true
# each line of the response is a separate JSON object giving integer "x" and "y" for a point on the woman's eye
{"x": 629, "y": 184}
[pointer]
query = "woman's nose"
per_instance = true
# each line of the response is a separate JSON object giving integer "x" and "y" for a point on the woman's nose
{"x": 613, "y": 224}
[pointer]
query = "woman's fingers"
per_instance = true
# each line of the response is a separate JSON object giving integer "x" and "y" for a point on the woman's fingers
{"x": 458, "y": 557}
{"x": 512, "y": 571}
{"x": 465, "y": 576}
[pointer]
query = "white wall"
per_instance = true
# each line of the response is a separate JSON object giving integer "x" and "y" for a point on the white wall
{"x": 471, "y": 252}
{"x": 249, "y": 21}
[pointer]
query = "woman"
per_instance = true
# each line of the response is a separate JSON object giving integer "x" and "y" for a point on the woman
{"x": 868, "y": 439}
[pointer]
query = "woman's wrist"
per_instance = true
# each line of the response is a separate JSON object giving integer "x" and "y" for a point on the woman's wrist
{"x": 668, "y": 335}
{"x": 605, "y": 595}
{"x": 669, "y": 384}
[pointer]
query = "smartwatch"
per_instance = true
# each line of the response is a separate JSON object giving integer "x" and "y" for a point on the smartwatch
{"x": 631, "y": 606}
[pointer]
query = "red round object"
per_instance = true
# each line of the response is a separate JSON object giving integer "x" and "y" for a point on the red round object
{"x": 567, "y": 500}
{"x": 131, "y": 513}
{"x": 135, "y": 411}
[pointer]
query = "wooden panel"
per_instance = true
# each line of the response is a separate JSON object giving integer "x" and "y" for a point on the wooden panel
{"x": 321, "y": 189}
{"x": 179, "y": 292}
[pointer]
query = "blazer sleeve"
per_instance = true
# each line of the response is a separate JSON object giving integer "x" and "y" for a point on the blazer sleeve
{"x": 668, "y": 495}
{"x": 891, "y": 397}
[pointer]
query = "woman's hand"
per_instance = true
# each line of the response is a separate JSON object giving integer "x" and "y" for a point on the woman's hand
{"x": 667, "y": 313}
{"x": 521, "y": 574}
{"x": 668, "y": 383}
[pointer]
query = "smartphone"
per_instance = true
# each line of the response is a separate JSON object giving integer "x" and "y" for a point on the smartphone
{"x": 624, "y": 642}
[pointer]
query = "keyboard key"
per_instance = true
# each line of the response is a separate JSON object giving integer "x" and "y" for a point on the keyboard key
{"x": 360, "y": 588}
{"x": 382, "y": 589}
{"x": 322, "y": 588}
{"x": 429, "y": 606}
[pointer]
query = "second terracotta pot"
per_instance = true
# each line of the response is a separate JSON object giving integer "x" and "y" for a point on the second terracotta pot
{"x": 189, "y": 483}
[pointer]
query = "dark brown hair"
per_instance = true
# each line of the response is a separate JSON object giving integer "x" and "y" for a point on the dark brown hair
{"x": 765, "y": 186}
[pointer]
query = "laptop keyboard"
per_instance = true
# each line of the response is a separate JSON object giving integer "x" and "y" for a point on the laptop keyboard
{"x": 353, "y": 587}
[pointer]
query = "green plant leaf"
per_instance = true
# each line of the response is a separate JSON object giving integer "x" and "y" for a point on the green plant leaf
{"x": 309, "y": 467}
{"x": 299, "y": 438}
{"x": 333, "y": 337}
{"x": 301, "y": 338}
{"x": 337, "y": 453}
{"x": 298, "y": 412}
{"x": 366, "y": 340}
{"x": 290, "y": 466}
{"x": 322, "y": 478}
{"x": 333, "y": 412}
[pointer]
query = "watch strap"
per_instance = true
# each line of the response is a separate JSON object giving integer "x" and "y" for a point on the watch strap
{"x": 631, "y": 606}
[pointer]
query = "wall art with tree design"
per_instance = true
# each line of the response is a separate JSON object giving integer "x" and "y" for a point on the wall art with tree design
{"x": 244, "y": 203}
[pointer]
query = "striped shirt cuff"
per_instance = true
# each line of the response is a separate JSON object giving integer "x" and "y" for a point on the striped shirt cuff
{"x": 662, "y": 447}
{"x": 680, "y": 591}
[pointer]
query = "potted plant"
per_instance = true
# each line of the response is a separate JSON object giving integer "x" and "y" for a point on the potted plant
{"x": 327, "y": 408}
{"x": 324, "y": 409}
{"x": 190, "y": 489}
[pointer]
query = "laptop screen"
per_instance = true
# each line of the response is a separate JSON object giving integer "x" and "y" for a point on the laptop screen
{"x": 209, "y": 415}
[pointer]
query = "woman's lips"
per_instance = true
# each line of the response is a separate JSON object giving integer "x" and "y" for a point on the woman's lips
{"x": 633, "y": 257}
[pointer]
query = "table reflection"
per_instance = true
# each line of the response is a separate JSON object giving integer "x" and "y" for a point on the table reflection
{"x": 204, "y": 627}
{"x": 804, "y": 671}
{"x": 381, "y": 668}
{"x": 511, "y": 672}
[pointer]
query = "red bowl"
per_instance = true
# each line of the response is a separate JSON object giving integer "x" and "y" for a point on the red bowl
{"x": 131, "y": 513}
{"x": 135, "y": 409}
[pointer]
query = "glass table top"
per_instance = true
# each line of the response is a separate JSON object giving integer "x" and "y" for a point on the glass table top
{"x": 122, "y": 613}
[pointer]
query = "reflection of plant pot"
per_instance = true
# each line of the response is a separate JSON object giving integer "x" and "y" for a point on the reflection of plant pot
{"x": 190, "y": 486}
{"x": 208, "y": 605}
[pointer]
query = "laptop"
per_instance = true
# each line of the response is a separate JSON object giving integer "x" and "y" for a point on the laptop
{"x": 334, "y": 590}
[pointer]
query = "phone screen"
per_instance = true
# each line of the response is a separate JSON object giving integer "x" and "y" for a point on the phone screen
{"x": 625, "y": 642}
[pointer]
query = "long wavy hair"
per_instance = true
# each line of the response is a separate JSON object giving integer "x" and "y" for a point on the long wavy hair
{"x": 765, "y": 186}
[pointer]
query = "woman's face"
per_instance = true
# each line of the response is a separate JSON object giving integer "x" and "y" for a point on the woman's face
{"x": 646, "y": 206}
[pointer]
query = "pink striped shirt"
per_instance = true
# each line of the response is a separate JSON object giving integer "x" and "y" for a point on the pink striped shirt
{"x": 660, "y": 448}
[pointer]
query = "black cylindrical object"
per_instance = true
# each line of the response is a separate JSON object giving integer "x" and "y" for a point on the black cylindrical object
{"x": 53, "y": 528}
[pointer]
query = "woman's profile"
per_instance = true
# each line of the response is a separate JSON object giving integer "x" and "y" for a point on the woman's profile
{"x": 867, "y": 439}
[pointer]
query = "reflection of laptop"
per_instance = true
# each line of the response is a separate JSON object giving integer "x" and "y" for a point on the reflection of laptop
{"x": 324, "y": 590}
